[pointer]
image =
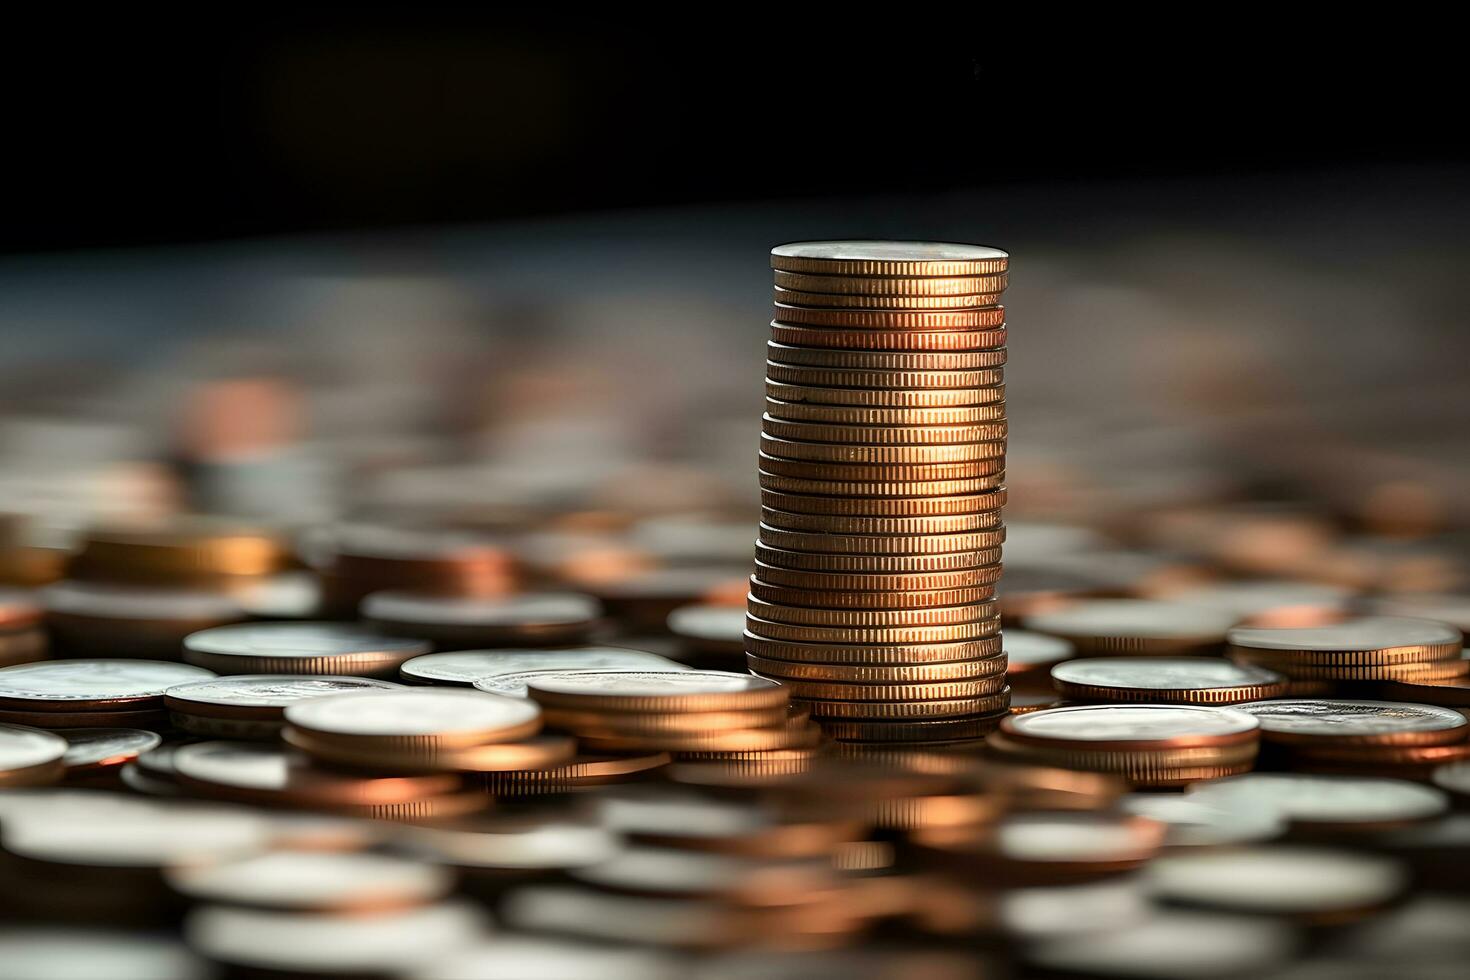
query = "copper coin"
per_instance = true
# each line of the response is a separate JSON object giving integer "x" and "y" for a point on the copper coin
{"x": 92, "y": 685}
{"x": 889, "y": 258}
{"x": 806, "y": 413}
{"x": 783, "y": 386}
{"x": 530, "y": 752}
{"x": 926, "y": 581}
{"x": 261, "y": 697}
{"x": 880, "y": 544}
{"x": 463, "y": 667}
{"x": 730, "y": 740}
{"x": 300, "y": 648}
{"x": 1047, "y": 848}
{"x": 916, "y": 384}
{"x": 1328, "y": 802}
{"x": 1373, "y": 640}
{"x": 249, "y": 772}
{"x": 1028, "y": 652}
{"x": 880, "y": 636}
{"x": 897, "y": 710}
{"x": 1354, "y": 723}
{"x": 862, "y": 618}
{"x": 1182, "y": 680}
{"x": 1172, "y": 943}
{"x": 862, "y": 360}
{"x": 888, "y": 285}
{"x": 861, "y": 655}
{"x": 784, "y": 670}
{"x": 803, "y": 503}
{"x": 1194, "y": 824}
{"x": 1137, "y": 626}
{"x": 900, "y": 526}
{"x": 1125, "y": 727}
{"x": 1454, "y": 778}
{"x": 416, "y": 718}
{"x": 873, "y": 564}
{"x": 814, "y": 475}
{"x": 1453, "y": 693}
{"x": 880, "y": 455}
{"x": 895, "y": 339}
{"x": 790, "y": 596}
{"x": 923, "y": 730}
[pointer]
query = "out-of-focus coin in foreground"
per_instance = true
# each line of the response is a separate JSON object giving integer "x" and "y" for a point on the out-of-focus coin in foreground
{"x": 1324, "y": 802}
{"x": 308, "y": 881}
{"x": 29, "y": 757}
{"x": 463, "y": 667}
{"x": 1308, "y": 885}
{"x": 1184, "y": 680}
{"x": 92, "y": 750}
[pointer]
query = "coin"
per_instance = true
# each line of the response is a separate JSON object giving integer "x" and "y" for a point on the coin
{"x": 981, "y": 318}
{"x": 877, "y": 286}
{"x": 881, "y": 544}
{"x": 929, "y": 581}
{"x": 644, "y": 601}
{"x": 1329, "y": 803}
{"x": 29, "y": 757}
{"x": 303, "y": 881}
{"x": 1035, "y": 654}
{"x": 631, "y": 723}
{"x": 948, "y": 690}
{"x": 92, "y": 685}
{"x": 1185, "y": 680}
{"x": 731, "y": 740}
{"x": 790, "y": 596}
{"x": 783, "y": 386}
{"x": 1424, "y": 673}
{"x": 300, "y": 648}
{"x": 654, "y": 690}
{"x": 1172, "y": 943}
{"x": 1046, "y": 848}
{"x": 1350, "y": 723}
{"x": 854, "y": 301}
{"x": 1448, "y": 693}
{"x": 867, "y": 360}
{"x": 907, "y": 564}
{"x": 1371, "y": 640}
{"x": 373, "y": 558}
{"x": 586, "y": 771}
{"x": 1023, "y": 702}
{"x": 891, "y": 456}
{"x": 921, "y": 730}
{"x": 91, "y": 750}
{"x": 885, "y": 635}
{"x": 885, "y": 258}
{"x": 130, "y": 620}
{"x": 177, "y": 551}
{"x": 878, "y": 435}
{"x": 812, "y": 471}
{"x": 463, "y": 667}
{"x": 912, "y": 382}
{"x": 44, "y": 953}
{"x": 1454, "y": 779}
{"x": 545, "y": 618}
{"x": 803, "y": 503}
{"x": 1134, "y": 626}
{"x": 878, "y": 673}
{"x": 260, "y": 697}
{"x": 1193, "y": 824}
{"x": 859, "y": 654}
{"x": 897, "y": 339}
{"x": 710, "y": 631}
{"x": 860, "y": 618}
{"x": 1309, "y": 885}
{"x": 876, "y": 419}
{"x": 896, "y": 710}
{"x": 529, "y": 752}
{"x": 1252, "y": 598}
{"x": 1133, "y": 727}
{"x": 147, "y": 718}
{"x": 415, "y": 720}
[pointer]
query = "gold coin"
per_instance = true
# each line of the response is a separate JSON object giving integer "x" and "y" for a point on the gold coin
{"x": 862, "y": 655}
{"x": 737, "y": 740}
{"x": 904, "y": 526}
{"x": 890, "y": 285}
{"x": 824, "y": 377}
{"x": 885, "y": 488}
{"x": 876, "y": 416}
{"x": 847, "y": 301}
{"x": 937, "y": 506}
{"x": 885, "y": 564}
{"x": 833, "y": 452}
{"x": 826, "y": 690}
{"x": 884, "y": 397}
{"x": 1414, "y": 673}
{"x": 959, "y": 578}
{"x": 932, "y": 616}
{"x": 884, "y": 635}
{"x": 901, "y": 472}
{"x": 787, "y": 596}
{"x": 889, "y": 258}
{"x": 885, "y": 360}
{"x": 900, "y": 710}
{"x": 989, "y": 338}
{"x": 784, "y": 670}
{"x": 585, "y": 770}
{"x": 983, "y": 318}
{"x": 881, "y": 544}
{"x": 884, "y": 435}
{"x": 933, "y": 730}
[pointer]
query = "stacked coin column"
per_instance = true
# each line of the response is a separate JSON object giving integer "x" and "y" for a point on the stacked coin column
{"x": 882, "y": 465}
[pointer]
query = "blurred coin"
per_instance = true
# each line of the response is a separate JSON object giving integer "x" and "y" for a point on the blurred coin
{"x": 1023, "y": 702}
{"x": 1306, "y": 885}
{"x": 304, "y": 881}
{"x": 1453, "y": 610}
{"x": 1194, "y": 824}
{"x": 29, "y": 757}
{"x": 526, "y": 619}
{"x": 674, "y": 922}
{"x": 1134, "y": 626}
{"x": 711, "y": 631}
{"x": 586, "y": 771}
{"x": 1045, "y": 848}
{"x": 300, "y": 648}
{"x": 57, "y": 953}
{"x": 1173, "y": 944}
{"x": 1321, "y": 802}
{"x": 178, "y": 550}
{"x": 879, "y": 635}
{"x": 667, "y": 818}
{"x": 366, "y": 559}
{"x": 289, "y": 943}
{"x": 878, "y": 384}
{"x": 1376, "y": 640}
{"x": 1183, "y": 680}
{"x": 131, "y": 620}
{"x": 517, "y": 957}
{"x": 956, "y": 615}
{"x": 92, "y": 685}
{"x": 1454, "y": 692}
{"x": 1032, "y": 655}
{"x": 463, "y": 667}
{"x": 1344, "y": 723}
{"x": 416, "y": 719}
{"x": 90, "y": 750}
{"x": 921, "y": 730}
{"x": 1251, "y": 598}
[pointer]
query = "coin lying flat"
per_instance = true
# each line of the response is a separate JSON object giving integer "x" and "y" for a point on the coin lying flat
{"x": 314, "y": 882}
{"x": 261, "y": 696}
{"x": 92, "y": 685}
{"x": 94, "y": 749}
{"x": 300, "y": 648}
{"x": 896, "y": 286}
{"x": 1372, "y": 640}
{"x": 708, "y": 629}
{"x": 525, "y": 957}
{"x": 654, "y": 690}
{"x": 1326, "y": 802}
{"x": 1031, "y": 654}
{"x": 889, "y": 258}
{"x": 1134, "y": 626}
{"x": 420, "y": 717}
{"x": 1314, "y": 885}
{"x": 70, "y": 953}
{"x": 464, "y": 667}
{"x": 489, "y": 621}
{"x": 1186, "y": 680}
{"x": 1308, "y": 721}
{"x": 530, "y": 752}
{"x": 29, "y": 757}
{"x": 1194, "y": 824}
{"x": 1048, "y": 848}
{"x": 1129, "y": 726}
{"x": 1173, "y": 944}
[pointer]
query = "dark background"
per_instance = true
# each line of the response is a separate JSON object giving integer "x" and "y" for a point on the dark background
{"x": 154, "y": 129}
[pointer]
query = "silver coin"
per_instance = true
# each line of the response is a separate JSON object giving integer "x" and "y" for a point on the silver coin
{"x": 412, "y": 711}
{"x": 1132, "y": 722}
{"x": 298, "y": 640}
{"x": 464, "y": 667}
{"x": 74, "y": 684}
{"x": 1309, "y": 798}
{"x": 1367, "y": 634}
{"x": 1338, "y": 719}
{"x": 269, "y": 690}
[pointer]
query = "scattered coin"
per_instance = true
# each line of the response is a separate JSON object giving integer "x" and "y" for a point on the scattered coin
{"x": 29, "y": 757}
{"x": 463, "y": 667}
{"x": 1135, "y": 626}
{"x": 1324, "y": 802}
{"x": 518, "y": 620}
{"x": 90, "y": 751}
{"x": 300, "y": 648}
{"x": 252, "y": 705}
{"x": 1305, "y": 885}
{"x": 1183, "y": 680}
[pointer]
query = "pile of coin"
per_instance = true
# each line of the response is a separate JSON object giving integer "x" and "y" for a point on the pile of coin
{"x": 882, "y": 465}
{"x": 1357, "y": 652}
{"x": 91, "y": 693}
{"x": 251, "y": 706}
{"x": 1151, "y": 745}
{"x": 1370, "y": 738}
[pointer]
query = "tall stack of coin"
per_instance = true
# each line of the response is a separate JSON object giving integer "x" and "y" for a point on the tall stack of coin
{"x": 881, "y": 469}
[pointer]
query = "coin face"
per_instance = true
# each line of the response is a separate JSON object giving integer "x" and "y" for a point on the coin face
{"x": 464, "y": 667}
{"x": 411, "y": 712}
{"x": 22, "y": 748}
{"x": 297, "y": 640}
{"x": 1367, "y": 634}
{"x": 1211, "y": 678}
{"x": 1357, "y": 721}
{"x": 1164, "y": 724}
{"x": 69, "y": 685}
{"x": 518, "y": 610}
{"x": 1278, "y": 880}
{"x": 1303, "y": 798}
{"x": 95, "y": 747}
{"x": 265, "y": 691}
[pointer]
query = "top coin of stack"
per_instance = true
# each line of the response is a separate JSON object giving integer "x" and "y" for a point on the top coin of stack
{"x": 881, "y": 468}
